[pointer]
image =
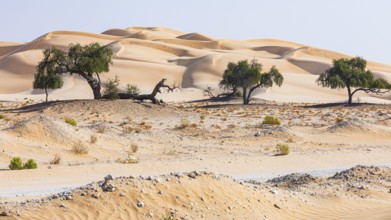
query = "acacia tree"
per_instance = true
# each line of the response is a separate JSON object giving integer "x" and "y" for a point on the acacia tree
{"x": 46, "y": 76}
{"x": 352, "y": 74}
{"x": 86, "y": 61}
{"x": 249, "y": 77}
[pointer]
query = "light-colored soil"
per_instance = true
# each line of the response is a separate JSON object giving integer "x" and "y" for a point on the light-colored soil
{"x": 220, "y": 137}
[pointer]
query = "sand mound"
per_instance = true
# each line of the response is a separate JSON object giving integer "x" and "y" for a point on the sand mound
{"x": 293, "y": 180}
{"x": 354, "y": 127}
{"x": 144, "y": 55}
{"x": 363, "y": 174}
{"x": 44, "y": 129}
{"x": 196, "y": 36}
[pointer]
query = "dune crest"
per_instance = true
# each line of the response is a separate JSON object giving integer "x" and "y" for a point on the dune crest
{"x": 143, "y": 55}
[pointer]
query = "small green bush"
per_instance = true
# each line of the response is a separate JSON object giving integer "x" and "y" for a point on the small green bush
{"x": 282, "y": 149}
{"x": 2, "y": 116}
{"x": 70, "y": 121}
{"x": 270, "y": 120}
{"x": 30, "y": 164}
{"x": 132, "y": 89}
{"x": 111, "y": 89}
{"x": 16, "y": 164}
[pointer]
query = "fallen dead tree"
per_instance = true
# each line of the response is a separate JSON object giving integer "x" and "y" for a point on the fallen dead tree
{"x": 152, "y": 96}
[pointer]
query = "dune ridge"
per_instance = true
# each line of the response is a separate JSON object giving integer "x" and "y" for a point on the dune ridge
{"x": 183, "y": 58}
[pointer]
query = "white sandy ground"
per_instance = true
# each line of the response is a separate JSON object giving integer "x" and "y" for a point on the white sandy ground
{"x": 229, "y": 141}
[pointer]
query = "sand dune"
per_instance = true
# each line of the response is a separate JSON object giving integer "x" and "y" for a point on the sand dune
{"x": 193, "y": 60}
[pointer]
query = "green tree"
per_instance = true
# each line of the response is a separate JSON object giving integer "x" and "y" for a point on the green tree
{"x": 47, "y": 76}
{"x": 249, "y": 77}
{"x": 87, "y": 61}
{"x": 352, "y": 74}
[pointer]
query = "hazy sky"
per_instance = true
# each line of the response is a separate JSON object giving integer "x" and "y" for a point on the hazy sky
{"x": 355, "y": 27}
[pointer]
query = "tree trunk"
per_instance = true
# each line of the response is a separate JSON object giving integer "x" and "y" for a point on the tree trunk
{"x": 350, "y": 95}
{"x": 47, "y": 94}
{"x": 245, "y": 97}
{"x": 95, "y": 86}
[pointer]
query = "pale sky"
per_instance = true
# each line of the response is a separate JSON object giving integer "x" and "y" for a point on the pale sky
{"x": 355, "y": 27}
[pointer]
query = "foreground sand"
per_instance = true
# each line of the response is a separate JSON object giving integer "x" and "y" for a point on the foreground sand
{"x": 220, "y": 137}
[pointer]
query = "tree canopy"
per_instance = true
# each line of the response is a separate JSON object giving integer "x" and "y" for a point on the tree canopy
{"x": 352, "y": 74}
{"x": 249, "y": 77}
{"x": 87, "y": 61}
{"x": 47, "y": 76}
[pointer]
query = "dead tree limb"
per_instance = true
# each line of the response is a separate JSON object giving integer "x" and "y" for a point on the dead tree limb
{"x": 152, "y": 96}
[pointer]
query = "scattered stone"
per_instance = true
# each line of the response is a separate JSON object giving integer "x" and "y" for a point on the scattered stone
{"x": 68, "y": 197}
{"x": 108, "y": 177}
{"x": 4, "y": 213}
{"x": 62, "y": 205}
{"x": 83, "y": 194}
{"x": 274, "y": 191}
{"x": 140, "y": 204}
{"x": 192, "y": 175}
{"x": 293, "y": 180}
{"x": 95, "y": 195}
{"x": 18, "y": 213}
{"x": 276, "y": 206}
{"x": 122, "y": 194}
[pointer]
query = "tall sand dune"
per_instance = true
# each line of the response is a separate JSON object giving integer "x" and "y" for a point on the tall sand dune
{"x": 144, "y": 55}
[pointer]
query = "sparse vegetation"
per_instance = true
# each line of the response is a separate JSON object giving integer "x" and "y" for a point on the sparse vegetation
{"x": 282, "y": 149}
{"x": 184, "y": 123}
{"x": 56, "y": 159}
{"x": 101, "y": 129}
{"x": 130, "y": 159}
{"x": 70, "y": 121}
{"x": 132, "y": 89}
{"x": 111, "y": 88}
{"x": 16, "y": 164}
{"x": 134, "y": 148}
{"x": 79, "y": 148}
{"x": 93, "y": 139}
{"x": 2, "y": 116}
{"x": 30, "y": 164}
{"x": 270, "y": 120}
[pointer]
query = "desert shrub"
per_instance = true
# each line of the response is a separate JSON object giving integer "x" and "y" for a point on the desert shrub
{"x": 16, "y": 164}
{"x": 339, "y": 120}
{"x": 202, "y": 117}
{"x": 127, "y": 129}
{"x": 282, "y": 149}
{"x": 134, "y": 148}
{"x": 184, "y": 123}
{"x": 270, "y": 120}
{"x": 132, "y": 89}
{"x": 231, "y": 126}
{"x": 111, "y": 88}
{"x": 93, "y": 139}
{"x": 70, "y": 121}
{"x": 79, "y": 148}
{"x": 101, "y": 129}
{"x": 56, "y": 159}
{"x": 30, "y": 164}
{"x": 2, "y": 116}
{"x": 130, "y": 159}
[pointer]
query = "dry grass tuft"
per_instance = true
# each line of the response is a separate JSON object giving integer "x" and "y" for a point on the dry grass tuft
{"x": 79, "y": 148}
{"x": 93, "y": 139}
{"x": 56, "y": 159}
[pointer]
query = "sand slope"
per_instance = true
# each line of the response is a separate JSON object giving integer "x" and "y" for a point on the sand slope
{"x": 144, "y": 55}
